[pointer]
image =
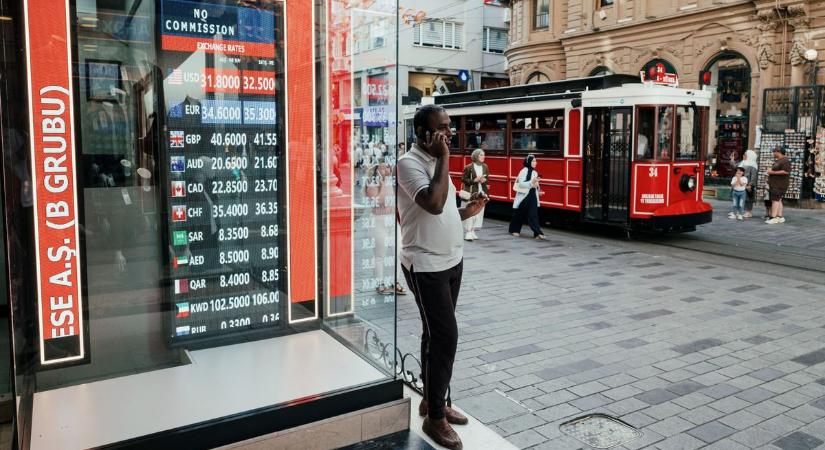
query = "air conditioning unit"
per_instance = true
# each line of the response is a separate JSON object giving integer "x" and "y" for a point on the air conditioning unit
{"x": 507, "y": 15}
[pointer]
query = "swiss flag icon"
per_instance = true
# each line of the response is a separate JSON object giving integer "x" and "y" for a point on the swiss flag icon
{"x": 178, "y": 189}
{"x": 179, "y": 213}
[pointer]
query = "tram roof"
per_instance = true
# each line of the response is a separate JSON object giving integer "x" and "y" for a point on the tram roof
{"x": 603, "y": 90}
{"x": 570, "y": 88}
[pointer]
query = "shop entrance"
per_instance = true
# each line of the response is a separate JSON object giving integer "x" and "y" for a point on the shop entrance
{"x": 730, "y": 75}
{"x": 607, "y": 163}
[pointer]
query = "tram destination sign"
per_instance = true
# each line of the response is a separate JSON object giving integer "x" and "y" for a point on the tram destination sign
{"x": 223, "y": 176}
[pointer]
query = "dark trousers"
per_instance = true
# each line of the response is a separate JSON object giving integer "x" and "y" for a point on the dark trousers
{"x": 436, "y": 294}
{"x": 528, "y": 210}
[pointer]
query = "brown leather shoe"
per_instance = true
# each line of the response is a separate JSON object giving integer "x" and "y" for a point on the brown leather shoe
{"x": 442, "y": 433}
{"x": 454, "y": 417}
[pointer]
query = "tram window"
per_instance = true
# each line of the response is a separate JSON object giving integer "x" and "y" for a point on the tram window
{"x": 688, "y": 133}
{"x": 543, "y": 120}
{"x": 548, "y": 142}
{"x": 644, "y": 133}
{"x": 664, "y": 131}
{"x": 487, "y": 141}
{"x": 455, "y": 125}
{"x": 483, "y": 123}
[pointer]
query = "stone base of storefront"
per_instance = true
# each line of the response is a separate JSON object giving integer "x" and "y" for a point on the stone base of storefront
{"x": 336, "y": 432}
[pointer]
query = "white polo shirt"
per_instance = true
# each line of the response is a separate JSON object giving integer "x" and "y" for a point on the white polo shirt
{"x": 429, "y": 243}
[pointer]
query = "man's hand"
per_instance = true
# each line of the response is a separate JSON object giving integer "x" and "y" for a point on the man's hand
{"x": 436, "y": 144}
{"x": 474, "y": 206}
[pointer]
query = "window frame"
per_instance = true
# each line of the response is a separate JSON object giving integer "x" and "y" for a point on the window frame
{"x": 456, "y": 36}
{"x": 701, "y": 114}
{"x": 537, "y": 15}
{"x": 485, "y": 40}
{"x": 466, "y": 132}
{"x": 547, "y": 153}
{"x": 600, "y": 4}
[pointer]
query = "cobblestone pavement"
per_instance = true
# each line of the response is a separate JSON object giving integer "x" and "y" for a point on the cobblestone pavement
{"x": 695, "y": 354}
{"x": 803, "y": 235}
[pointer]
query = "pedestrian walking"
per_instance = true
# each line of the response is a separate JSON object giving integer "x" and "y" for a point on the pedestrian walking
{"x": 526, "y": 203}
{"x": 739, "y": 184}
{"x": 750, "y": 164}
{"x": 379, "y": 194}
{"x": 779, "y": 177}
{"x": 432, "y": 260}
{"x": 474, "y": 180}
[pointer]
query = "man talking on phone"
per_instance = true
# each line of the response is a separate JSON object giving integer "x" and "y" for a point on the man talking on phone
{"x": 432, "y": 255}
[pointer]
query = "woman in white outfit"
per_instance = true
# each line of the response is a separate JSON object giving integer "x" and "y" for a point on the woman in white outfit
{"x": 526, "y": 203}
{"x": 380, "y": 197}
{"x": 474, "y": 180}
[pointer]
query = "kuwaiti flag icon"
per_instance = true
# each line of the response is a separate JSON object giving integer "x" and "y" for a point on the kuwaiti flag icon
{"x": 181, "y": 286}
{"x": 183, "y": 310}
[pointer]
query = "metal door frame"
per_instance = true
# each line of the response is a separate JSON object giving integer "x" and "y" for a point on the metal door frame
{"x": 604, "y": 188}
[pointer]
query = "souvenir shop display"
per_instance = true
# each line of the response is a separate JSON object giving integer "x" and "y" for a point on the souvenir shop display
{"x": 794, "y": 145}
{"x": 818, "y": 156}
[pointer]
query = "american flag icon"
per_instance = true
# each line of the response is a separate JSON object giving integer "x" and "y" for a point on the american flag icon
{"x": 176, "y": 139}
{"x": 175, "y": 76}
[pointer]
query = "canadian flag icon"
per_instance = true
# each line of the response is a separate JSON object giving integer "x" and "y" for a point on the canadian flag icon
{"x": 178, "y": 189}
{"x": 179, "y": 213}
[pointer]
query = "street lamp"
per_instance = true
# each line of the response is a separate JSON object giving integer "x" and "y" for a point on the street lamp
{"x": 810, "y": 55}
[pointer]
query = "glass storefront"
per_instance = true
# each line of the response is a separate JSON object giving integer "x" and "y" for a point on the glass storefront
{"x": 189, "y": 242}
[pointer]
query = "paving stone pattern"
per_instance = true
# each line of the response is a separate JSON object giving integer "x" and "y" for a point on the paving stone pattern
{"x": 697, "y": 365}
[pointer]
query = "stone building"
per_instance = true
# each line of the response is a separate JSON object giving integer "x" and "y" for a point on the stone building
{"x": 747, "y": 46}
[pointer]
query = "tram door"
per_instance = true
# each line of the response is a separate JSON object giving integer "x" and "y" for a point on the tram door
{"x": 607, "y": 163}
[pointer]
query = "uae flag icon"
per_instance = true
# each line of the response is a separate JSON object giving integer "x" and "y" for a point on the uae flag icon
{"x": 181, "y": 286}
{"x": 178, "y": 189}
{"x": 179, "y": 261}
{"x": 183, "y": 310}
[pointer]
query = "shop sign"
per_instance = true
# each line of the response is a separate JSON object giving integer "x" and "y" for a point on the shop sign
{"x": 375, "y": 116}
{"x": 57, "y": 246}
{"x": 378, "y": 89}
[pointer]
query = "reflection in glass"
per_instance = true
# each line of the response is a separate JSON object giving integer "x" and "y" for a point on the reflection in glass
{"x": 665, "y": 132}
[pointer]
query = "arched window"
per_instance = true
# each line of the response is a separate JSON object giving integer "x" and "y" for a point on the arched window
{"x": 601, "y": 70}
{"x": 537, "y": 77}
{"x": 653, "y": 63}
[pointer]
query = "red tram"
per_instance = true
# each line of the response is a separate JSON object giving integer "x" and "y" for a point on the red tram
{"x": 610, "y": 149}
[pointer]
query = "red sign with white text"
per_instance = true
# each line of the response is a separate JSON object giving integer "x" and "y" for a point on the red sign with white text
{"x": 48, "y": 55}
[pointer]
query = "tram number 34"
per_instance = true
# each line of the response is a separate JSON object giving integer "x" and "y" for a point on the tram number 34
{"x": 653, "y": 172}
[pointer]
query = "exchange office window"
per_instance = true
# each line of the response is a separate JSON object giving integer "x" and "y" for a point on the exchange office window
{"x": 439, "y": 34}
{"x": 494, "y": 40}
{"x": 540, "y": 132}
{"x": 486, "y": 133}
{"x": 542, "y": 9}
{"x": 646, "y": 119}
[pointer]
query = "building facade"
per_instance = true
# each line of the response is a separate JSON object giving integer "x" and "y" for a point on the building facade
{"x": 745, "y": 46}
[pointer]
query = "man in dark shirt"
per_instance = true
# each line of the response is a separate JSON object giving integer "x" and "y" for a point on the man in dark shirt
{"x": 779, "y": 177}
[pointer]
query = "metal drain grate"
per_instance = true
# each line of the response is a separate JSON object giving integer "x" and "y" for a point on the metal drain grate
{"x": 600, "y": 431}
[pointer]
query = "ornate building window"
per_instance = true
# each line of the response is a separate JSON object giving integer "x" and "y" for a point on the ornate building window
{"x": 541, "y": 9}
{"x": 601, "y": 70}
{"x": 537, "y": 77}
{"x": 604, "y": 3}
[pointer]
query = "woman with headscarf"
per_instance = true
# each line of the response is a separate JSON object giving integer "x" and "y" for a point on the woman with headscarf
{"x": 526, "y": 203}
{"x": 751, "y": 166}
{"x": 474, "y": 180}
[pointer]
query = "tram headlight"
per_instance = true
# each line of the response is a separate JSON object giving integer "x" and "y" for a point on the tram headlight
{"x": 687, "y": 183}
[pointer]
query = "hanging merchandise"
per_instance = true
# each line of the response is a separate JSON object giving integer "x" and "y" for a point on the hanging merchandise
{"x": 818, "y": 155}
{"x": 794, "y": 145}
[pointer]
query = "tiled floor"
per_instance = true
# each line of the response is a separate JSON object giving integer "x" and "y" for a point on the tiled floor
{"x": 694, "y": 352}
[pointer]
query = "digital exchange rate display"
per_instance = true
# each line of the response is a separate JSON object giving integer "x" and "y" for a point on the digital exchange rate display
{"x": 222, "y": 134}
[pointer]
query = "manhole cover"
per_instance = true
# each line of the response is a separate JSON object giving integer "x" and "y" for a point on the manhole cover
{"x": 600, "y": 431}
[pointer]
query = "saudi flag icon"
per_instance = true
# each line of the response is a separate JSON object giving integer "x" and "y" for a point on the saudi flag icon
{"x": 179, "y": 238}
